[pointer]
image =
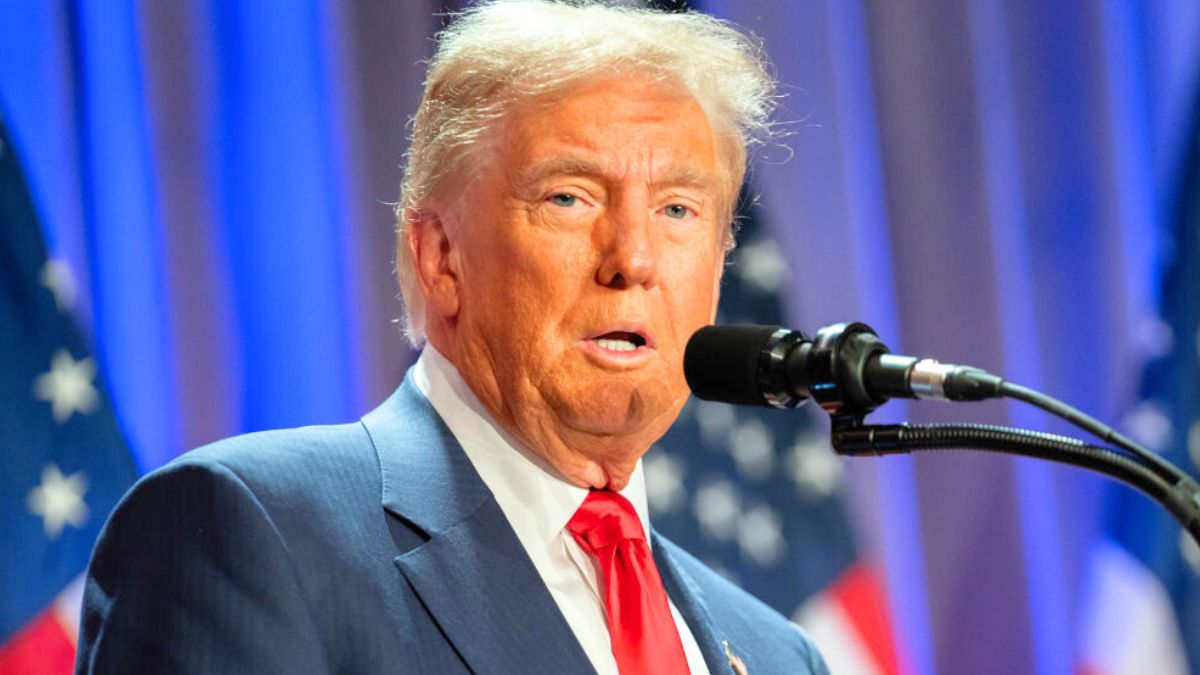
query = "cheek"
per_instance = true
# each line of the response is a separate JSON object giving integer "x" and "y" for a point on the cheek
{"x": 526, "y": 285}
{"x": 697, "y": 277}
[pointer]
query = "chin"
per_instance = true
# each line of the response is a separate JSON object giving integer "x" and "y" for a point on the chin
{"x": 598, "y": 420}
{"x": 624, "y": 410}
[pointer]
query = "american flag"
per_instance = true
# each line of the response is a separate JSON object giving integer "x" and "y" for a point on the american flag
{"x": 758, "y": 493}
{"x": 1143, "y": 609}
{"x": 63, "y": 459}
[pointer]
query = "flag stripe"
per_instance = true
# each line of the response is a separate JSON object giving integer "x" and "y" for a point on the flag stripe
{"x": 835, "y": 634}
{"x": 1129, "y": 622}
{"x": 40, "y": 648}
{"x": 860, "y": 594}
{"x": 68, "y": 607}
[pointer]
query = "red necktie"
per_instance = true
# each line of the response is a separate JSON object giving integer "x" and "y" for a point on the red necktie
{"x": 644, "y": 637}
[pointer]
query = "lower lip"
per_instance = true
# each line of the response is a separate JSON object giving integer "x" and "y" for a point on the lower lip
{"x": 609, "y": 356}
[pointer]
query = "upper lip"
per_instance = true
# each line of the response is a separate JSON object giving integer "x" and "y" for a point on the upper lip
{"x": 633, "y": 329}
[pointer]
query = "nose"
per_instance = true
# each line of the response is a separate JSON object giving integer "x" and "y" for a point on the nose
{"x": 629, "y": 247}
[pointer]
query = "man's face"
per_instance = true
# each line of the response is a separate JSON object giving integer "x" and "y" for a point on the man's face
{"x": 586, "y": 254}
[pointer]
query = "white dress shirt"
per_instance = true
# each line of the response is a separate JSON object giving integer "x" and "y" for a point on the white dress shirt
{"x": 538, "y": 501}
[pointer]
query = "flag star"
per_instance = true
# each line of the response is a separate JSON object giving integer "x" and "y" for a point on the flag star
{"x": 761, "y": 265}
{"x": 715, "y": 421}
{"x": 1154, "y": 337}
{"x": 59, "y": 500}
{"x": 716, "y": 508}
{"x": 813, "y": 466}
{"x": 760, "y": 536}
{"x": 1190, "y": 551}
{"x": 664, "y": 480}
{"x": 68, "y": 386}
{"x": 1193, "y": 443}
{"x": 56, "y": 276}
{"x": 752, "y": 448}
{"x": 1149, "y": 425}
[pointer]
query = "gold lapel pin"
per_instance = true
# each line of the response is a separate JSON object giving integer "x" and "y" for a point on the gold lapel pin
{"x": 735, "y": 661}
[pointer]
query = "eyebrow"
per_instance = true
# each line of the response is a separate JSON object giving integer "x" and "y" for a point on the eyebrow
{"x": 558, "y": 166}
{"x": 677, "y": 176}
{"x": 682, "y": 176}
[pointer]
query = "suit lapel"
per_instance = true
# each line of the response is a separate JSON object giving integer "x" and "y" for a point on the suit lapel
{"x": 689, "y": 600}
{"x": 483, "y": 591}
{"x": 472, "y": 574}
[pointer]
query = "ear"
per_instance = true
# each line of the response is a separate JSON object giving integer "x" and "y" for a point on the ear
{"x": 435, "y": 260}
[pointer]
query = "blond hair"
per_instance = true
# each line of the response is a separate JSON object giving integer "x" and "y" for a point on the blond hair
{"x": 506, "y": 50}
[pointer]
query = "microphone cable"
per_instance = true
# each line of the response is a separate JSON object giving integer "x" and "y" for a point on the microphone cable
{"x": 1160, "y": 466}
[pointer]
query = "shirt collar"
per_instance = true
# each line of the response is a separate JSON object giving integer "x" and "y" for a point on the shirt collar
{"x": 537, "y": 500}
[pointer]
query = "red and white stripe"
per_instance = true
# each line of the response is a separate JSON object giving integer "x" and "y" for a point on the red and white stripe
{"x": 850, "y": 624}
{"x": 46, "y": 645}
{"x": 1129, "y": 625}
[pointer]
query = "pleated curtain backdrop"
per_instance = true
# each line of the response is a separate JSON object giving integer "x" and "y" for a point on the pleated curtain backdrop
{"x": 984, "y": 182}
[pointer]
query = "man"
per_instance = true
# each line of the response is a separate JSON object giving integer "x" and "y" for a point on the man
{"x": 562, "y": 230}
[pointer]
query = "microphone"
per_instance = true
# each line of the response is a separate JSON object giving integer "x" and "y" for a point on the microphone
{"x": 846, "y": 369}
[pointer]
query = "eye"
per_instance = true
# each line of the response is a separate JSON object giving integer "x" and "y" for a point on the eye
{"x": 677, "y": 211}
{"x": 564, "y": 200}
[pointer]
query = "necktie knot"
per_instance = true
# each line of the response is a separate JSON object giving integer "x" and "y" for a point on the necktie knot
{"x": 644, "y": 637}
{"x": 605, "y": 519}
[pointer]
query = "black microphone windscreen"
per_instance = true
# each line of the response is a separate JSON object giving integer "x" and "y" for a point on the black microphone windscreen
{"x": 721, "y": 363}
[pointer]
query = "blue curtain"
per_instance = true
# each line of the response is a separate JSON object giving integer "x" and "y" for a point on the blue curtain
{"x": 985, "y": 182}
{"x": 204, "y": 169}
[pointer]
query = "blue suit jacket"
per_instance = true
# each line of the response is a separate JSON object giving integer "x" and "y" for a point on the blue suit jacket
{"x": 363, "y": 548}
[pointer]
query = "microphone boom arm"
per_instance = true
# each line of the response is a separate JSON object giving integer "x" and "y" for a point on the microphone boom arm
{"x": 1181, "y": 497}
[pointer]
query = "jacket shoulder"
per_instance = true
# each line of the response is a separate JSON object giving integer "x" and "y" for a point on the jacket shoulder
{"x": 284, "y": 453}
{"x": 198, "y": 565}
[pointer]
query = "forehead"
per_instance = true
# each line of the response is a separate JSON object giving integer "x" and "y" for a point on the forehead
{"x": 622, "y": 125}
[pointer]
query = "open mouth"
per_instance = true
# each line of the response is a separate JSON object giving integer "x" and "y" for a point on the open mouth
{"x": 620, "y": 341}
